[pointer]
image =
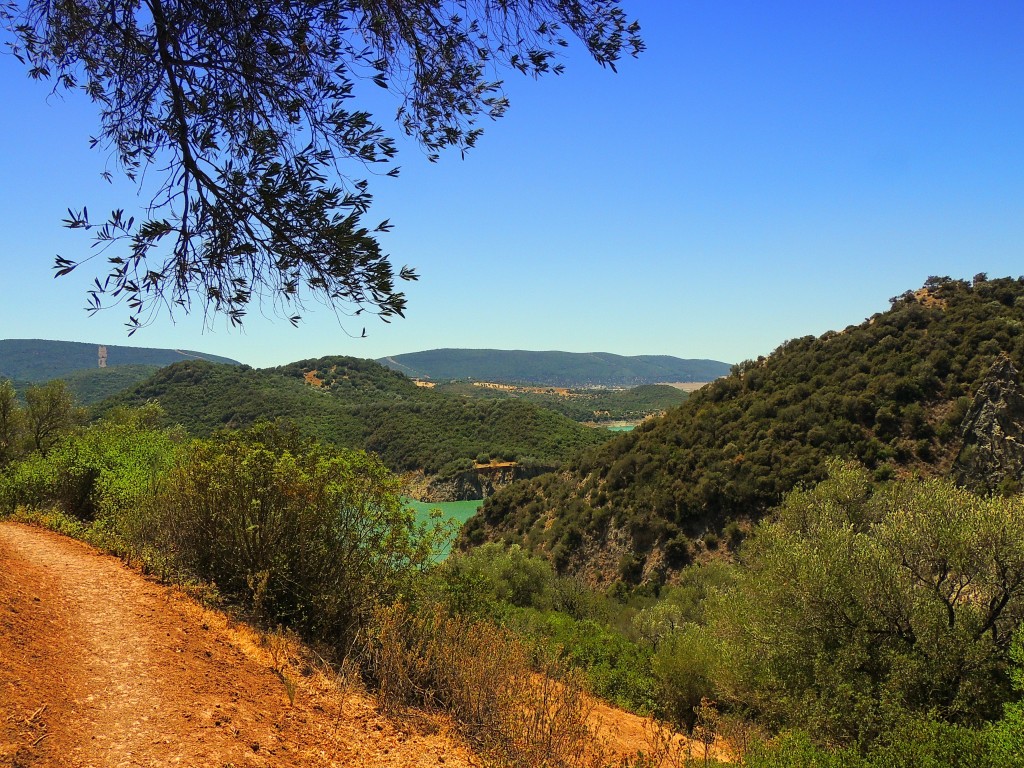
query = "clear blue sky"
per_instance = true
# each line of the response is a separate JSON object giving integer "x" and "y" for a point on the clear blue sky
{"x": 761, "y": 172}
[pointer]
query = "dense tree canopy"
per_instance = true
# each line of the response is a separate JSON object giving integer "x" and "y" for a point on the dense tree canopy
{"x": 859, "y": 597}
{"x": 246, "y": 115}
{"x": 890, "y": 393}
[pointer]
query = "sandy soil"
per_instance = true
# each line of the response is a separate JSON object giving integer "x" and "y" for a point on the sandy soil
{"x": 100, "y": 667}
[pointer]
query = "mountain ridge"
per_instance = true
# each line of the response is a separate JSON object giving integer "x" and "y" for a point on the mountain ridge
{"x": 553, "y": 367}
{"x": 890, "y": 393}
{"x": 37, "y": 360}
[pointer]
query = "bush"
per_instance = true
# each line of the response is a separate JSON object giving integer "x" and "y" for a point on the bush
{"x": 919, "y": 743}
{"x": 485, "y": 678}
{"x": 499, "y": 575}
{"x": 684, "y": 669}
{"x": 305, "y": 535}
{"x": 106, "y": 472}
{"x": 859, "y": 607}
{"x": 1006, "y": 738}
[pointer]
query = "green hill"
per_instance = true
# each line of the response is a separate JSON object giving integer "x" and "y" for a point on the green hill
{"x": 35, "y": 360}
{"x": 95, "y": 385}
{"x": 890, "y": 393}
{"x": 562, "y": 369}
{"x": 360, "y": 404}
{"x": 584, "y": 405}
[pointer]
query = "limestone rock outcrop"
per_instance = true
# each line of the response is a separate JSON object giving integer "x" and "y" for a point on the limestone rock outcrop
{"x": 991, "y": 455}
{"x": 480, "y": 482}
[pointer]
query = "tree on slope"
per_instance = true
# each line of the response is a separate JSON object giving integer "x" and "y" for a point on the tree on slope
{"x": 861, "y": 604}
{"x": 246, "y": 115}
{"x": 50, "y": 413}
{"x": 12, "y": 424}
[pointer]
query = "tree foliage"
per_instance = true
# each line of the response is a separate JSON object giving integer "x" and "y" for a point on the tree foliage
{"x": 50, "y": 412}
{"x": 246, "y": 116}
{"x": 12, "y": 424}
{"x": 104, "y": 473}
{"x": 890, "y": 393}
{"x": 860, "y": 604}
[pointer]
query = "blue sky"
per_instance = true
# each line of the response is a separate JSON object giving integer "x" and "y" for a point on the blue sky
{"x": 761, "y": 172}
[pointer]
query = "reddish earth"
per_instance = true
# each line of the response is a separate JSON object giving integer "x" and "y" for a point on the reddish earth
{"x": 102, "y": 668}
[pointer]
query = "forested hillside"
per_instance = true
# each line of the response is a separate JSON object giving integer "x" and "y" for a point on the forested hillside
{"x": 563, "y": 369}
{"x": 589, "y": 405}
{"x": 360, "y": 404}
{"x": 890, "y": 393}
{"x": 33, "y": 360}
{"x": 95, "y": 385}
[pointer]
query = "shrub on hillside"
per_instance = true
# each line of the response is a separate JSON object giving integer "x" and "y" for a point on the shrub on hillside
{"x": 304, "y": 534}
{"x": 105, "y": 472}
{"x": 860, "y": 606}
{"x": 486, "y": 678}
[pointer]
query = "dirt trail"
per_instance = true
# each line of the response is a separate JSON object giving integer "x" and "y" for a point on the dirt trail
{"x": 100, "y": 668}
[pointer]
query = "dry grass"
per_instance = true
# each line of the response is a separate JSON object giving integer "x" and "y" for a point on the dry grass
{"x": 517, "y": 711}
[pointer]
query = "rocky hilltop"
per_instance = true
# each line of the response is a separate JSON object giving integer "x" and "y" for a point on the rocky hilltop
{"x": 928, "y": 382}
{"x": 479, "y": 482}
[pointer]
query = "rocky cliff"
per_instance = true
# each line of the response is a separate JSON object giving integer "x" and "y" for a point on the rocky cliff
{"x": 479, "y": 482}
{"x": 991, "y": 457}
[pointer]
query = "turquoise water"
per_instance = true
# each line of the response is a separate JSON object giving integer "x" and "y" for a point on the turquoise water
{"x": 627, "y": 428}
{"x": 460, "y": 511}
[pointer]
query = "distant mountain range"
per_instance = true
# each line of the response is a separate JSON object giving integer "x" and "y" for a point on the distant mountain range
{"x": 33, "y": 360}
{"x": 563, "y": 369}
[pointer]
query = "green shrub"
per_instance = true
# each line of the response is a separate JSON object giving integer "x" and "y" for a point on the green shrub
{"x": 1006, "y": 738}
{"x": 105, "y": 472}
{"x": 303, "y": 534}
{"x": 916, "y": 743}
{"x": 684, "y": 669}
{"x": 861, "y": 606}
{"x": 500, "y": 575}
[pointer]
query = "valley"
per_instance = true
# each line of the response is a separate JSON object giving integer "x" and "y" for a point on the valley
{"x": 754, "y": 563}
{"x": 512, "y": 384}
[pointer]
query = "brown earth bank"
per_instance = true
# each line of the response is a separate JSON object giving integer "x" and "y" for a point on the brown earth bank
{"x": 100, "y": 667}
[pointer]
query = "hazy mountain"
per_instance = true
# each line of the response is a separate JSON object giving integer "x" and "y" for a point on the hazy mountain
{"x": 30, "y": 360}
{"x": 564, "y": 369}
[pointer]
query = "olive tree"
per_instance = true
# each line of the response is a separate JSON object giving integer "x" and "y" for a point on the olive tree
{"x": 248, "y": 117}
{"x": 859, "y": 604}
{"x": 12, "y": 424}
{"x": 50, "y": 413}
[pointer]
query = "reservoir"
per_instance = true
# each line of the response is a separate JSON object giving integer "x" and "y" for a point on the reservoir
{"x": 459, "y": 511}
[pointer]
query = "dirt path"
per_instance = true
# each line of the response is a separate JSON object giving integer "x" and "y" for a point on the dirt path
{"x": 101, "y": 668}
